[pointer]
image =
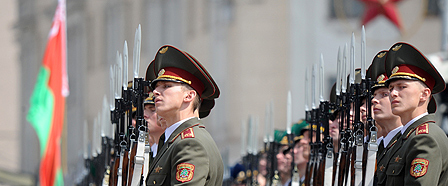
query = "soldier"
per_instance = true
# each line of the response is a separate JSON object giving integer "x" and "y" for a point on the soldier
{"x": 389, "y": 125}
{"x": 284, "y": 161}
{"x": 334, "y": 120}
{"x": 154, "y": 127}
{"x": 187, "y": 154}
{"x": 420, "y": 155}
{"x": 382, "y": 113}
{"x": 301, "y": 149}
{"x": 262, "y": 168}
{"x": 238, "y": 174}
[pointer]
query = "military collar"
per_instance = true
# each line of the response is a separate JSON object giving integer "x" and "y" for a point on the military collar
{"x": 172, "y": 128}
{"x": 391, "y": 135}
{"x": 403, "y": 130}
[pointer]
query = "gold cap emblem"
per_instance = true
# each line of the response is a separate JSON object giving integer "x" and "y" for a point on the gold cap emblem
{"x": 380, "y": 78}
{"x": 150, "y": 95}
{"x": 163, "y": 50}
{"x": 381, "y": 55}
{"x": 396, "y": 48}
{"x": 161, "y": 72}
{"x": 395, "y": 70}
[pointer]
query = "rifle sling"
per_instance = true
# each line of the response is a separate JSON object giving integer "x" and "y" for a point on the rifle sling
{"x": 139, "y": 159}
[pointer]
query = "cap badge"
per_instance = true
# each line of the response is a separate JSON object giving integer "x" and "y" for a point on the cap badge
{"x": 395, "y": 70}
{"x": 150, "y": 95}
{"x": 380, "y": 78}
{"x": 381, "y": 55}
{"x": 163, "y": 50}
{"x": 161, "y": 72}
{"x": 396, "y": 48}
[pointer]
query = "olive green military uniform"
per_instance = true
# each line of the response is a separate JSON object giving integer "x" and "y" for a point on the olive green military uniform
{"x": 189, "y": 157}
{"x": 381, "y": 158}
{"x": 419, "y": 157}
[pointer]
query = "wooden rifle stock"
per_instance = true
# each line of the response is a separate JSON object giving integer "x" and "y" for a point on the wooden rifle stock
{"x": 132, "y": 162}
{"x": 318, "y": 171}
{"x": 114, "y": 171}
{"x": 342, "y": 167}
{"x": 308, "y": 174}
{"x": 125, "y": 167}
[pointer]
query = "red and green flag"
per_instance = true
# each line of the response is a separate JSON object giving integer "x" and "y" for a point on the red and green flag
{"x": 46, "y": 112}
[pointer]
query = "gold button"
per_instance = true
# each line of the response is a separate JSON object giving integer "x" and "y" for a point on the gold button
{"x": 393, "y": 171}
{"x": 154, "y": 182}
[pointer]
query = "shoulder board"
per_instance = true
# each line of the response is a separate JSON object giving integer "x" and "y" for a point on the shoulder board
{"x": 422, "y": 129}
{"x": 186, "y": 133}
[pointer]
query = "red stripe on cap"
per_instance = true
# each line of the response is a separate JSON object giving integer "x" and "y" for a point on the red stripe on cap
{"x": 412, "y": 71}
{"x": 172, "y": 73}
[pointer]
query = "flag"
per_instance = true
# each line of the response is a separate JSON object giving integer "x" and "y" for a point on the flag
{"x": 47, "y": 101}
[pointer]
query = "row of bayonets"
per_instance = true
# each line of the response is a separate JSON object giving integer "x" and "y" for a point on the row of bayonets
{"x": 347, "y": 166}
{"x": 351, "y": 140}
{"x": 119, "y": 155}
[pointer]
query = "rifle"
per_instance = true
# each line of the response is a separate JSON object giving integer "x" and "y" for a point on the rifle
{"x": 312, "y": 169}
{"x": 372, "y": 146}
{"x": 318, "y": 177}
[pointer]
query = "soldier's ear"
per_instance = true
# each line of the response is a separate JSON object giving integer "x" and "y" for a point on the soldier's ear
{"x": 426, "y": 95}
{"x": 190, "y": 95}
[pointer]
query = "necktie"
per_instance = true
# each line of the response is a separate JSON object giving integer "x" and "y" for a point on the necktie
{"x": 161, "y": 142}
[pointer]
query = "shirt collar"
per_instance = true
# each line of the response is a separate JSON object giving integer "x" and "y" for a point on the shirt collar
{"x": 411, "y": 122}
{"x": 154, "y": 149}
{"x": 390, "y": 135}
{"x": 172, "y": 128}
{"x": 378, "y": 141}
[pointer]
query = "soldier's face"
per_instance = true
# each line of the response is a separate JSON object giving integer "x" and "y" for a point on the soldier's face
{"x": 168, "y": 98}
{"x": 405, "y": 96}
{"x": 284, "y": 160}
{"x": 301, "y": 153}
{"x": 363, "y": 110}
{"x": 334, "y": 128}
{"x": 381, "y": 105}
{"x": 151, "y": 117}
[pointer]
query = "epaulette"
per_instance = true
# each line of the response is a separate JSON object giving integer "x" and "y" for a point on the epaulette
{"x": 186, "y": 133}
{"x": 422, "y": 129}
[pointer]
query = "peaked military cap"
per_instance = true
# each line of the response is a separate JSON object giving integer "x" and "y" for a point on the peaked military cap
{"x": 376, "y": 70}
{"x": 297, "y": 129}
{"x": 333, "y": 112}
{"x": 149, "y": 99}
{"x": 404, "y": 61}
{"x": 172, "y": 64}
{"x": 238, "y": 173}
{"x": 278, "y": 136}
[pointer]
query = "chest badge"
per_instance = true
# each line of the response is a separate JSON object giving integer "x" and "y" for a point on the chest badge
{"x": 382, "y": 168}
{"x": 397, "y": 159}
{"x": 158, "y": 168}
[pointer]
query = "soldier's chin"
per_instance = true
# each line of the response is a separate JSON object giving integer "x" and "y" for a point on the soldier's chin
{"x": 396, "y": 111}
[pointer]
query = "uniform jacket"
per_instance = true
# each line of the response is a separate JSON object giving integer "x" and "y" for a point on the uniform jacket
{"x": 381, "y": 159}
{"x": 419, "y": 157}
{"x": 189, "y": 157}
